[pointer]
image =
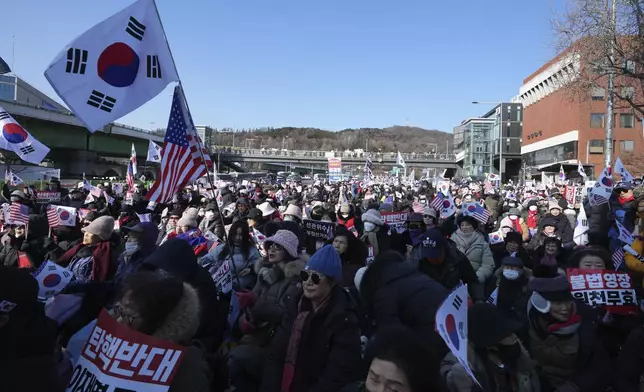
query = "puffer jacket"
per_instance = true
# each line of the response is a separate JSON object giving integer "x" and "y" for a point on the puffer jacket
{"x": 276, "y": 286}
{"x": 457, "y": 379}
{"x": 478, "y": 253}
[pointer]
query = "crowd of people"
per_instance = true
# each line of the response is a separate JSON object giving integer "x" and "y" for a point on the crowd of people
{"x": 353, "y": 310}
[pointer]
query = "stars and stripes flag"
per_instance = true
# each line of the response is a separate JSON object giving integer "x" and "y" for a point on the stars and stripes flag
{"x": 114, "y": 67}
{"x": 437, "y": 202}
{"x": 129, "y": 176}
{"x": 476, "y": 211}
{"x": 182, "y": 155}
{"x": 618, "y": 258}
{"x": 18, "y": 213}
{"x": 52, "y": 216}
{"x": 133, "y": 160}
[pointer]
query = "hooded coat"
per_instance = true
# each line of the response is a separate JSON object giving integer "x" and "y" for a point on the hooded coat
{"x": 477, "y": 251}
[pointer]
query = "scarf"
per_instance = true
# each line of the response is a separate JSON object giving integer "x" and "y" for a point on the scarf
{"x": 516, "y": 226}
{"x": 533, "y": 219}
{"x": 303, "y": 315}
{"x": 624, "y": 200}
{"x": 104, "y": 265}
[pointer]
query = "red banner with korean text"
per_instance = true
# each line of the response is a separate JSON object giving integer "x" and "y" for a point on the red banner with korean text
{"x": 611, "y": 289}
{"x": 570, "y": 194}
{"x": 117, "y": 358}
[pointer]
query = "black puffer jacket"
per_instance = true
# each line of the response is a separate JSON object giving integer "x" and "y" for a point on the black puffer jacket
{"x": 33, "y": 245}
{"x": 395, "y": 293}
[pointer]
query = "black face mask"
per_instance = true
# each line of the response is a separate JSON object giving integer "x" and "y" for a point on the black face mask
{"x": 509, "y": 354}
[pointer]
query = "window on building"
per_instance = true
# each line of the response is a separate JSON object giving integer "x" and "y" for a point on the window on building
{"x": 598, "y": 93}
{"x": 597, "y": 120}
{"x": 627, "y": 92}
{"x": 626, "y": 120}
{"x": 626, "y": 145}
{"x": 596, "y": 146}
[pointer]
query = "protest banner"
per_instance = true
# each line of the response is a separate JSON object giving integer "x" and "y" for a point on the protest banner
{"x": 395, "y": 220}
{"x": 116, "y": 358}
{"x": 48, "y": 197}
{"x": 223, "y": 277}
{"x": 318, "y": 230}
{"x": 614, "y": 290}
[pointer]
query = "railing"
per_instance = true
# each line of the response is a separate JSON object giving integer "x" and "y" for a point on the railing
{"x": 375, "y": 156}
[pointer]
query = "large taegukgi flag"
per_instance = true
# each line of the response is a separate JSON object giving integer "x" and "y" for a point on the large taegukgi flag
{"x": 115, "y": 67}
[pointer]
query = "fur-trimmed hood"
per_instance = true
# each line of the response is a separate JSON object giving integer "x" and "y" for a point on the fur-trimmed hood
{"x": 182, "y": 323}
{"x": 275, "y": 273}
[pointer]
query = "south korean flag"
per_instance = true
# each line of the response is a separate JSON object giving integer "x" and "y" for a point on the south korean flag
{"x": 115, "y": 67}
{"x": 154, "y": 152}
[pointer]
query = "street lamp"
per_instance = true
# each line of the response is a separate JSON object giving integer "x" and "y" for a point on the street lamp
{"x": 500, "y": 133}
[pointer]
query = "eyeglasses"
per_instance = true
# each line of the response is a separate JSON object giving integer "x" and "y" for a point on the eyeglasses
{"x": 275, "y": 246}
{"x": 427, "y": 216}
{"x": 120, "y": 313}
{"x": 315, "y": 277}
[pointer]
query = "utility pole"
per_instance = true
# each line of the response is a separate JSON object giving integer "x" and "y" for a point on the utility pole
{"x": 611, "y": 87}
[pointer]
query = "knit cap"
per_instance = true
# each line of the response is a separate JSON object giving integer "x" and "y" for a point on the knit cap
{"x": 373, "y": 216}
{"x": 553, "y": 205}
{"x": 326, "y": 261}
{"x": 187, "y": 221}
{"x": 285, "y": 238}
{"x": 103, "y": 226}
{"x": 512, "y": 261}
{"x": 549, "y": 283}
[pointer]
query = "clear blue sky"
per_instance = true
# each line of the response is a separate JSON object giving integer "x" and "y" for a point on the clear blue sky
{"x": 331, "y": 64}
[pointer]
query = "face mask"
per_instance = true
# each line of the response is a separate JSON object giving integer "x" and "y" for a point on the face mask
{"x": 288, "y": 218}
{"x": 131, "y": 246}
{"x": 513, "y": 217}
{"x": 201, "y": 213}
{"x": 368, "y": 226}
{"x": 344, "y": 216}
{"x": 533, "y": 208}
{"x": 510, "y": 274}
{"x": 210, "y": 214}
{"x": 327, "y": 220}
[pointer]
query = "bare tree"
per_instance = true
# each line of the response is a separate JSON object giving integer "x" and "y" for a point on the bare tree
{"x": 587, "y": 31}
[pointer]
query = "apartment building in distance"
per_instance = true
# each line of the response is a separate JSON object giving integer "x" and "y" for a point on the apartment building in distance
{"x": 562, "y": 129}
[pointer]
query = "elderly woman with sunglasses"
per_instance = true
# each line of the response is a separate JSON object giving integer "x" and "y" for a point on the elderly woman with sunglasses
{"x": 317, "y": 347}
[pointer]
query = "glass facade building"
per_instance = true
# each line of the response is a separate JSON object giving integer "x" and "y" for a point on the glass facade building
{"x": 472, "y": 138}
{"x": 7, "y": 87}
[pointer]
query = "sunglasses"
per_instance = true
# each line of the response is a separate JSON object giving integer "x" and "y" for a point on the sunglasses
{"x": 427, "y": 216}
{"x": 415, "y": 226}
{"x": 315, "y": 277}
{"x": 275, "y": 246}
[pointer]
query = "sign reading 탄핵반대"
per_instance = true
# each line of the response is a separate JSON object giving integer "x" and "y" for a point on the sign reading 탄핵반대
{"x": 116, "y": 358}
{"x": 614, "y": 290}
{"x": 395, "y": 220}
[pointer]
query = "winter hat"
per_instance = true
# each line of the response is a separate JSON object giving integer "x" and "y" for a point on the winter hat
{"x": 550, "y": 221}
{"x": 431, "y": 212}
{"x": 187, "y": 221}
{"x": 513, "y": 236}
{"x": 191, "y": 213}
{"x": 17, "y": 196}
{"x": 469, "y": 219}
{"x": 386, "y": 207}
{"x": 101, "y": 227}
{"x": 266, "y": 209}
{"x": 514, "y": 211}
{"x": 432, "y": 244}
{"x": 345, "y": 208}
{"x": 254, "y": 214}
{"x": 326, "y": 261}
{"x": 294, "y": 210}
{"x": 176, "y": 212}
{"x": 211, "y": 207}
{"x": 553, "y": 205}
{"x": 243, "y": 201}
{"x": 532, "y": 202}
{"x": 373, "y": 216}
{"x": 512, "y": 261}
{"x": 287, "y": 239}
{"x": 549, "y": 283}
{"x": 554, "y": 191}
{"x": 357, "y": 279}
{"x": 487, "y": 325}
{"x": 415, "y": 217}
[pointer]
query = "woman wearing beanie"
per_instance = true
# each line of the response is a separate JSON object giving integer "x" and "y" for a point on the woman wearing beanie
{"x": 263, "y": 309}
{"x": 496, "y": 355}
{"x": 516, "y": 223}
{"x": 317, "y": 347}
{"x": 376, "y": 232}
{"x": 95, "y": 259}
{"x": 512, "y": 245}
{"x": 471, "y": 242}
{"x": 512, "y": 291}
{"x": 563, "y": 336}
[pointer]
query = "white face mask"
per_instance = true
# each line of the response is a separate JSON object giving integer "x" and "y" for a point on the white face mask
{"x": 513, "y": 217}
{"x": 131, "y": 246}
{"x": 202, "y": 213}
{"x": 368, "y": 226}
{"x": 532, "y": 208}
{"x": 210, "y": 214}
{"x": 511, "y": 274}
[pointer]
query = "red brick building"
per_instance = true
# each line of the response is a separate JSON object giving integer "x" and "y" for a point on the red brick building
{"x": 561, "y": 130}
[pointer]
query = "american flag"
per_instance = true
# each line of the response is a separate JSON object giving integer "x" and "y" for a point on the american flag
{"x": 52, "y": 216}
{"x": 181, "y": 155}
{"x": 18, "y": 213}
{"x": 437, "y": 202}
{"x": 618, "y": 258}
{"x": 488, "y": 186}
{"x": 129, "y": 177}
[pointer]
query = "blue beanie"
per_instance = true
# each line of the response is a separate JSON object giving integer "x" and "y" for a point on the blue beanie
{"x": 326, "y": 261}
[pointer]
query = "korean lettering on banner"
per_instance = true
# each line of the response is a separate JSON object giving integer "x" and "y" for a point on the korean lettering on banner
{"x": 395, "y": 220}
{"x": 318, "y": 230}
{"x": 570, "y": 193}
{"x": 116, "y": 358}
{"x": 223, "y": 278}
{"x": 48, "y": 197}
{"x": 611, "y": 289}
